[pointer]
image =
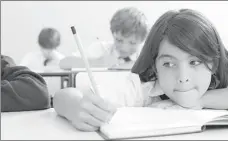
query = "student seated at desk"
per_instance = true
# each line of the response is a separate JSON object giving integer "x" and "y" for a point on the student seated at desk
{"x": 183, "y": 64}
{"x": 48, "y": 57}
{"x": 129, "y": 29}
{"x": 21, "y": 89}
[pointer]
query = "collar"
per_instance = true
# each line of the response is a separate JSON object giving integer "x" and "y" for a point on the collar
{"x": 152, "y": 88}
{"x": 132, "y": 57}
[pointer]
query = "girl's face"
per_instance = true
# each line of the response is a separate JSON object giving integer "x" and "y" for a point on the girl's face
{"x": 183, "y": 78}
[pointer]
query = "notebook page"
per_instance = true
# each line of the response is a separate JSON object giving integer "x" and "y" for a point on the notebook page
{"x": 111, "y": 133}
{"x": 140, "y": 121}
{"x": 130, "y": 115}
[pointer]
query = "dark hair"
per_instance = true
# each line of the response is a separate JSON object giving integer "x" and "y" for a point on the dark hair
{"x": 129, "y": 21}
{"x": 191, "y": 32}
{"x": 49, "y": 38}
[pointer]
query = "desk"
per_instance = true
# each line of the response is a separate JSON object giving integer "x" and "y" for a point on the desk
{"x": 40, "y": 125}
{"x": 71, "y": 74}
{"x": 63, "y": 74}
{"x": 45, "y": 124}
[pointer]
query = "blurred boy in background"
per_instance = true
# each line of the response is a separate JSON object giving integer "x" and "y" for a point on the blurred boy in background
{"x": 49, "y": 40}
{"x": 129, "y": 29}
{"x": 48, "y": 58}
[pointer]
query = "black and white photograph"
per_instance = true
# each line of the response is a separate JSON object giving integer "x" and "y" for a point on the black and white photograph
{"x": 114, "y": 70}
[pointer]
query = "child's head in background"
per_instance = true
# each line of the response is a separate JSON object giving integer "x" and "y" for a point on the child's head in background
{"x": 185, "y": 54}
{"x": 129, "y": 29}
{"x": 49, "y": 40}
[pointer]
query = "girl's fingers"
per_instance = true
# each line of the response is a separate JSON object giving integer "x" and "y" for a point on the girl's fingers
{"x": 89, "y": 119}
{"x": 95, "y": 111}
{"x": 82, "y": 126}
{"x": 101, "y": 103}
{"x": 108, "y": 107}
{"x": 97, "y": 107}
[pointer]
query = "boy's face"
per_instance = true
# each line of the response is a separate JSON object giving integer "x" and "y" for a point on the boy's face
{"x": 126, "y": 46}
{"x": 183, "y": 78}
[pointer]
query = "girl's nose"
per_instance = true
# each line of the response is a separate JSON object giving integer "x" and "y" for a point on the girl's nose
{"x": 183, "y": 80}
{"x": 184, "y": 74}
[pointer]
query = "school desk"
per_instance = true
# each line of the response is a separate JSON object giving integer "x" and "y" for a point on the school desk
{"x": 70, "y": 75}
{"x": 46, "y": 124}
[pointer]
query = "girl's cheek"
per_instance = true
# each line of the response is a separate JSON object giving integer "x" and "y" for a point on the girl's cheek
{"x": 166, "y": 78}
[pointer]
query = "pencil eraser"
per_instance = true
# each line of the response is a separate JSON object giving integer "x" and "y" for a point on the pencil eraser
{"x": 73, "y": 30}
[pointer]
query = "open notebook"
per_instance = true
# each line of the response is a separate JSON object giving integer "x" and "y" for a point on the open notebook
{"x": 134, "y": 122}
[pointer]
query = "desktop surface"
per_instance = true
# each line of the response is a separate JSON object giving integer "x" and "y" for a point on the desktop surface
{"x": 46, "y": 124}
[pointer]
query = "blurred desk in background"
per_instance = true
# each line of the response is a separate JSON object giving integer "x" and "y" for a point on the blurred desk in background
{"x": 70, "y": 75}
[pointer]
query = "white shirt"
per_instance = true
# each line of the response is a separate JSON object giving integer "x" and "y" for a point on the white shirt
{"x": 35, "y": 61}
{"x": 130, "y": 92}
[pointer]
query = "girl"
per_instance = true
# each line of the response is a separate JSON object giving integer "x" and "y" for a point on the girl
{"x": 184, "y": 46}
{"x": 183, "y": 58}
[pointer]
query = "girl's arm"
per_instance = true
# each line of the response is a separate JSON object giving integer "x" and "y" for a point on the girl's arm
{"x": 216, "y": 99}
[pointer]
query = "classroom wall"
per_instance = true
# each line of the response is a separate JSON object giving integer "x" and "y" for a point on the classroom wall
{"x": 21, "y": 21}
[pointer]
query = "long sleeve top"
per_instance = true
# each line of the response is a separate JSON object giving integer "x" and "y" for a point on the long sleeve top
{"x": 21, "y": 89}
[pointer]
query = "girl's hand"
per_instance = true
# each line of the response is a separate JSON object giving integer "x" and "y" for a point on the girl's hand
{"x": 91, "y": 112}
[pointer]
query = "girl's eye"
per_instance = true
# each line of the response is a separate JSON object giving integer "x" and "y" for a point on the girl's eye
{"x": 195, "y": 63}
{"x": 168, "y": 64}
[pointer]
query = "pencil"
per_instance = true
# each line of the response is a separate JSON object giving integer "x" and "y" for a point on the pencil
{"x": 84, "y": 57}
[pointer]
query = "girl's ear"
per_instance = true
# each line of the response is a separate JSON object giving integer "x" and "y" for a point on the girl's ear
{"x": 154, "y": 71}
{"x": 214, "y": 82}
{"x": 154, "y": 67}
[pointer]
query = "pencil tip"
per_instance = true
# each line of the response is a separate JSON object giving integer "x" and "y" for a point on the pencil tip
{"x": 73, "y": 29}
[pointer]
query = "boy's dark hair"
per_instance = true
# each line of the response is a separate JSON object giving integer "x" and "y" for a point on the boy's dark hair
{"x": 191, "y": 32}
{"x": 49, "y": 38}
{"x": 129, "y": 21}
